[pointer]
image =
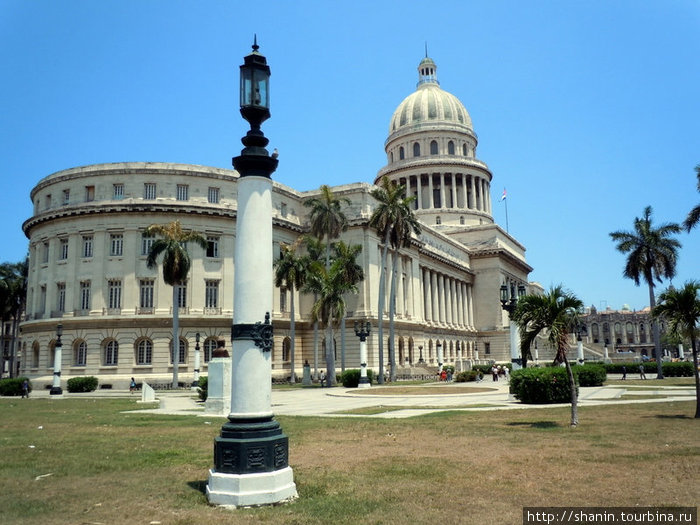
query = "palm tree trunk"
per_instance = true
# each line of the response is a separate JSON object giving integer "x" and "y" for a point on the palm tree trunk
{"x": 694, "y": 344}
{"x": 342, "y": 344}
{"x": 176, "y": 339}
{"x": 13, "y": 348}
{"x": 574, "y": 395}
{"x": 655, "y": 333}
{"x": 392, "y": 313}
{"x": 380, "y": 308}
{"x": 292, "y": 330}
{"x": 330, "y": 358}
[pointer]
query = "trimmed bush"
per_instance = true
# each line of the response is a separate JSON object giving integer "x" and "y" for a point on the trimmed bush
{"x": 670, "y": 369}
{"x": 589, "y": 375}
{"x": 82, "y": 384}
{"x": 467, "y": 375}
{"x": 541, "y": 385}
{"x": 679, "y": 369}
{"x": 351, "y": 377}
{"x": 203, "y": 387}
{"x": 13, "y": 386}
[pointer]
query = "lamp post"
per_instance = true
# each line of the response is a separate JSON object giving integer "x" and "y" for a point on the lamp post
{"x": 421, "y": 361}
{"x": 195, "y": 382}
{"x": 362, "y": 330}
{"x": 57, "y": 357}
{"x": 580, "y": 331}
{"x": 251, "y": 456}
{"x": 508, "y": 303}
{"x": 438, "y": 347}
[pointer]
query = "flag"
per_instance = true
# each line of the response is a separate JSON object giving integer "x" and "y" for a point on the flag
{"x": 503, "y": 197}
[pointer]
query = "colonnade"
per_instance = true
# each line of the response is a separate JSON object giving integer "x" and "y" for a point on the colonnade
{"x": 449, "y": 190}
{"x": 446, "y": 300}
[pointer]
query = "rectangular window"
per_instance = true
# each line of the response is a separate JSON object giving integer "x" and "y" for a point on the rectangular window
{"x": 213, "y": 195}
{"x": 283, "y": 209}
{"x": 118, "y": 191}
{"x": 89, "y": 193}
{"x": 45, "y": 253}
{"x": 487, "y": 348}
{"x": 116, "y": 244}
{"x": 66, "y": 197}
{"x": 182, "y": 192}
{"x": 63, "y": 250}
{"x": 61, "y": 297}
{"x": 211, "y": 298}
{"x": 114, "y": 288}
{"x": 87, "y": 245}
{"x": 48, "y": 201}
{"x": 212, "y": 246}
{"x": 85, "y": 295}
{"x": 146, "y": 293}
{"x": 81, "y": 354}
{"x": 182, "y": 296}
{"x": 146, "y": 243}
{"x": 149, "y": 191}
{"x": 42, "y": 299}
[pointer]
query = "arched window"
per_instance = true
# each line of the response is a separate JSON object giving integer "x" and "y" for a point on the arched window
{"x": 35, "y": 354}
{"x": 450, "y": 148}
{"x": 391, "y": 156}
{"x": 80, "y": 353}
{"x": 402, "y": 155}
{"x": 111, "y": 353}
{"x": 416, "y": 149}
{"x": 433, "y": 147}
{"x": 144, "y": 352}
{"x": 182, "y": 353}
{"x": 286, "y": 349}
{"x": 438, "y": 220}
{"x": 209, "y": 347}
{"x": 464, "y": 150}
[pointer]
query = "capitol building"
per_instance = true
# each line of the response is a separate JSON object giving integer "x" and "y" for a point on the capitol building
{"x": 87, "y": 260}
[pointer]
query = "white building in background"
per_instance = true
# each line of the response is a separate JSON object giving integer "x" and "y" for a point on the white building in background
{"x": 88, "y": 259}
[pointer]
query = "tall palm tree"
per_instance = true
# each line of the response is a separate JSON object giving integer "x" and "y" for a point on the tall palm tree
{"x": 353, "y": 274}
{"x": 693, "y": 217}
{"x": 314, "y": 250}
{"x": 290, "y": 271}
{"x": 176, "y": 266}
{"x": 681, "y": 308}
{"x": 557, "y": 313}
{"x": 13, "y": 296}
{"x": 395, "y": 222}
{"x": 653, "y": 253}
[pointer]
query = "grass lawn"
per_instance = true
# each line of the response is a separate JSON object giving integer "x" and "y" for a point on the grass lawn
{"x": 89, "y": 463}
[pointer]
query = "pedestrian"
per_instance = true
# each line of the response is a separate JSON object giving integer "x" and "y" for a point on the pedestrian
{"x": 132, "y": 385}
{"x": 443, "y": 375}
{"x": 642, "y": 375}
{"x": 494, "y": 373}
{"x": 506, "y": 372}
{"x": 624, "y": 372}
{"x": 449, "y": 375}
{"x": 478, "y": 376}
{"x": 323, "y": 378}
{"x": 25, "y": 389}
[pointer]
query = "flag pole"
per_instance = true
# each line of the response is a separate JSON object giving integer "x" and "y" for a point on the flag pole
{"x": 503, "y": 198}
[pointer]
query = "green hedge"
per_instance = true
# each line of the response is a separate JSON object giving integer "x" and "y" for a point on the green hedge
{"x": 203, "y": 387}
{"x": 13, "y": 386}
{"x": 670, "y": 369}
{"x": 82, "y": 384}
{"x": 467, "y": 375}
{"x": 541, "y": 385}
{"x": 589, "y": 375}
{"x": 351, "y": 377}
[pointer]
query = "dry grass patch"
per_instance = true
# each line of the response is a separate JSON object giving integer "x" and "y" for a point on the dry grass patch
{"x": 438, "y": 390}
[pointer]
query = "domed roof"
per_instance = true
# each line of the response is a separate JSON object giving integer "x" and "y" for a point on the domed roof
{"x": 429, "y": 105}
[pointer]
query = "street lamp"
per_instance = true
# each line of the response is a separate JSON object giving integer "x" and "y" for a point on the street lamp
{"x": 195, "y": 382}
{"x": 420, "y": 353}
{"x": 580, "y": 331}
{"x": 362, "y": 330}
{"x": 57, "y": 357}
{"x": 438, "y": 347}
{"x": 508, "y": 303}
{"x": 251, "y": 456}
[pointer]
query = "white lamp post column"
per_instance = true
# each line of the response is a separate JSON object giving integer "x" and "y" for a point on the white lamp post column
{"x": 57, "y": 358}
{"x": 362, "y": 330}
{"x": 438, "y": 346}
{"x": 508, "y": 303}
{"x": 197, "y": 357}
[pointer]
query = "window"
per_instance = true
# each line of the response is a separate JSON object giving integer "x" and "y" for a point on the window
{"x": 61, "y": 297}
{"x": 461, "y": 220}
{"x": 146, "y": 243}
{"x": 212, "y": 246}
{"x": 48, "y": 201}
{"x": 213, "y": 195}
{"x": 416, "y": 149}
{"x": 438, "y": 220}
{"x": 45, "y": 253}
{"x": 63, "y": 250}
{"x": 85, "y": 295}
{"x": 286, "y": 348}
{"x": 182, "y": 296}
{"x": 464, "y": 150}
{"x": 111, "y": 357}
{"x": 42, "y": 299}
{"x": 283, "y": 209}
{"x": 116, "y": 244}
{"x": 146, "y": 293}
{"x": 487, "y": 348}
{"x": 114, "y": 289}
{"x": 118, "y": 191}
{"x": 182, "y": 192}
{"x": 450, "y": 148}
{"x": 87, "y": 245}
{"x": 149, "y": 191}
{"x": 89, "y": 193}
{"x": 402, "y": 155}
{"x": 35, "y": 354}
{"x": 80, "y": 353}
{"x": 144, "y": 352}
{"x": 211, "y": 297}
{"x": 209, "y": 347}
{"x": 283, "y": 299}
{"x": 182, "y": 353}
{"x": 433, "y": 147}
{"x": 66, "y": 197}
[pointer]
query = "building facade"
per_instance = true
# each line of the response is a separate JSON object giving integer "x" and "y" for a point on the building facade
{"x": 87, "y": 266}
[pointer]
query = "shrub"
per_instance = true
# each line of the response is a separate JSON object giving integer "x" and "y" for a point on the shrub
{"x": 467, "y": 375}
{"x": 13, "y": 386}
{"x": 541, "y": 385}
{"x": 590, "y": 375}
{"x": 680, "y": 369}
{"x": 449, "y": 369}
{"x": 351, "y": 377}
{"x": 203, "y": 387}
{"x": 82, "y": 384}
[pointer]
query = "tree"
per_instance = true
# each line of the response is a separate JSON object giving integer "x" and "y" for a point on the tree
{"x": 353, "y": 274}
{"x": 176, "y": 266}
{"x": 653, "y": 253}
{"x": 314, "y": 249}
{"x": 555, "y": 312}
{"x": 693, "y": 217}
{"x": 394, "y": 221}
{"x": 681, "y": 309}
{"x": 290, "y": 271}
{"x": 13, "y": 296}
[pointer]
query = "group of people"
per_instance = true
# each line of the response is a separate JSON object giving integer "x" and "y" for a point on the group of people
{"x": 500, "y": 371}
{"x": 445, "y": 375}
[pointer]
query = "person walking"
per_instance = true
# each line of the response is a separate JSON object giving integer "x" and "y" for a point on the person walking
{"x": 642, "y": 375}
{"x": 132, "y": 385}
{"x": 25, "y": 389}
{"x": 624, "y": 372}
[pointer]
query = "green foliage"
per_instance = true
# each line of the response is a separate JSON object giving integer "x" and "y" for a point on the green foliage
{"x": 448, "y": 368}
{"x": 13, "y": 386}
{"x": 541, "y": 385}
{"x": 679, "y": 369}
{"x": 351, "y": 377}
{"x": 467, "y": 375}
{"x": 82, "y": 384}
{"x": 203, "y": 388}
{"x": 590, "y": 375}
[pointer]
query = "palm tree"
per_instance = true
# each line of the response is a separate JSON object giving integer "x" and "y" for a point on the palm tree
{"x": 557, "y": 313}
{"x": 693, "y": 217}
{"x": 314, "y": 249}
{"x": 681, "y": 308}
{"x": 13, "y": 296}
{"x": 176, "y": 266}
{"x": 652, "y": 256}
{"x": 353, "y": 274}
{"x": 290, "y": 271}
{"x": 395, "y": 221}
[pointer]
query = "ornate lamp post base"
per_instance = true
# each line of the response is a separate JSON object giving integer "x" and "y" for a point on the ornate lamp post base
{"x": 238, "y": 490}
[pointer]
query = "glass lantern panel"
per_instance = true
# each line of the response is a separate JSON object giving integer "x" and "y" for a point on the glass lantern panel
{"x": 262, "y": 95}
{"x": 246, "y": 88}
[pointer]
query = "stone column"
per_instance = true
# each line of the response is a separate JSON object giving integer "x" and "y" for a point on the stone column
{"x": 465, "y": 199}
{"x": 419, "y": 192}
{"x": 435, "y": 292}
{"x": 427, "y": 297}
{"x": 431, "y": 200}
{"x": 442, "y": 190}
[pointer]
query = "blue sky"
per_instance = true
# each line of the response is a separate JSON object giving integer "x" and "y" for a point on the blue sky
{"x": 586, "y": 111}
